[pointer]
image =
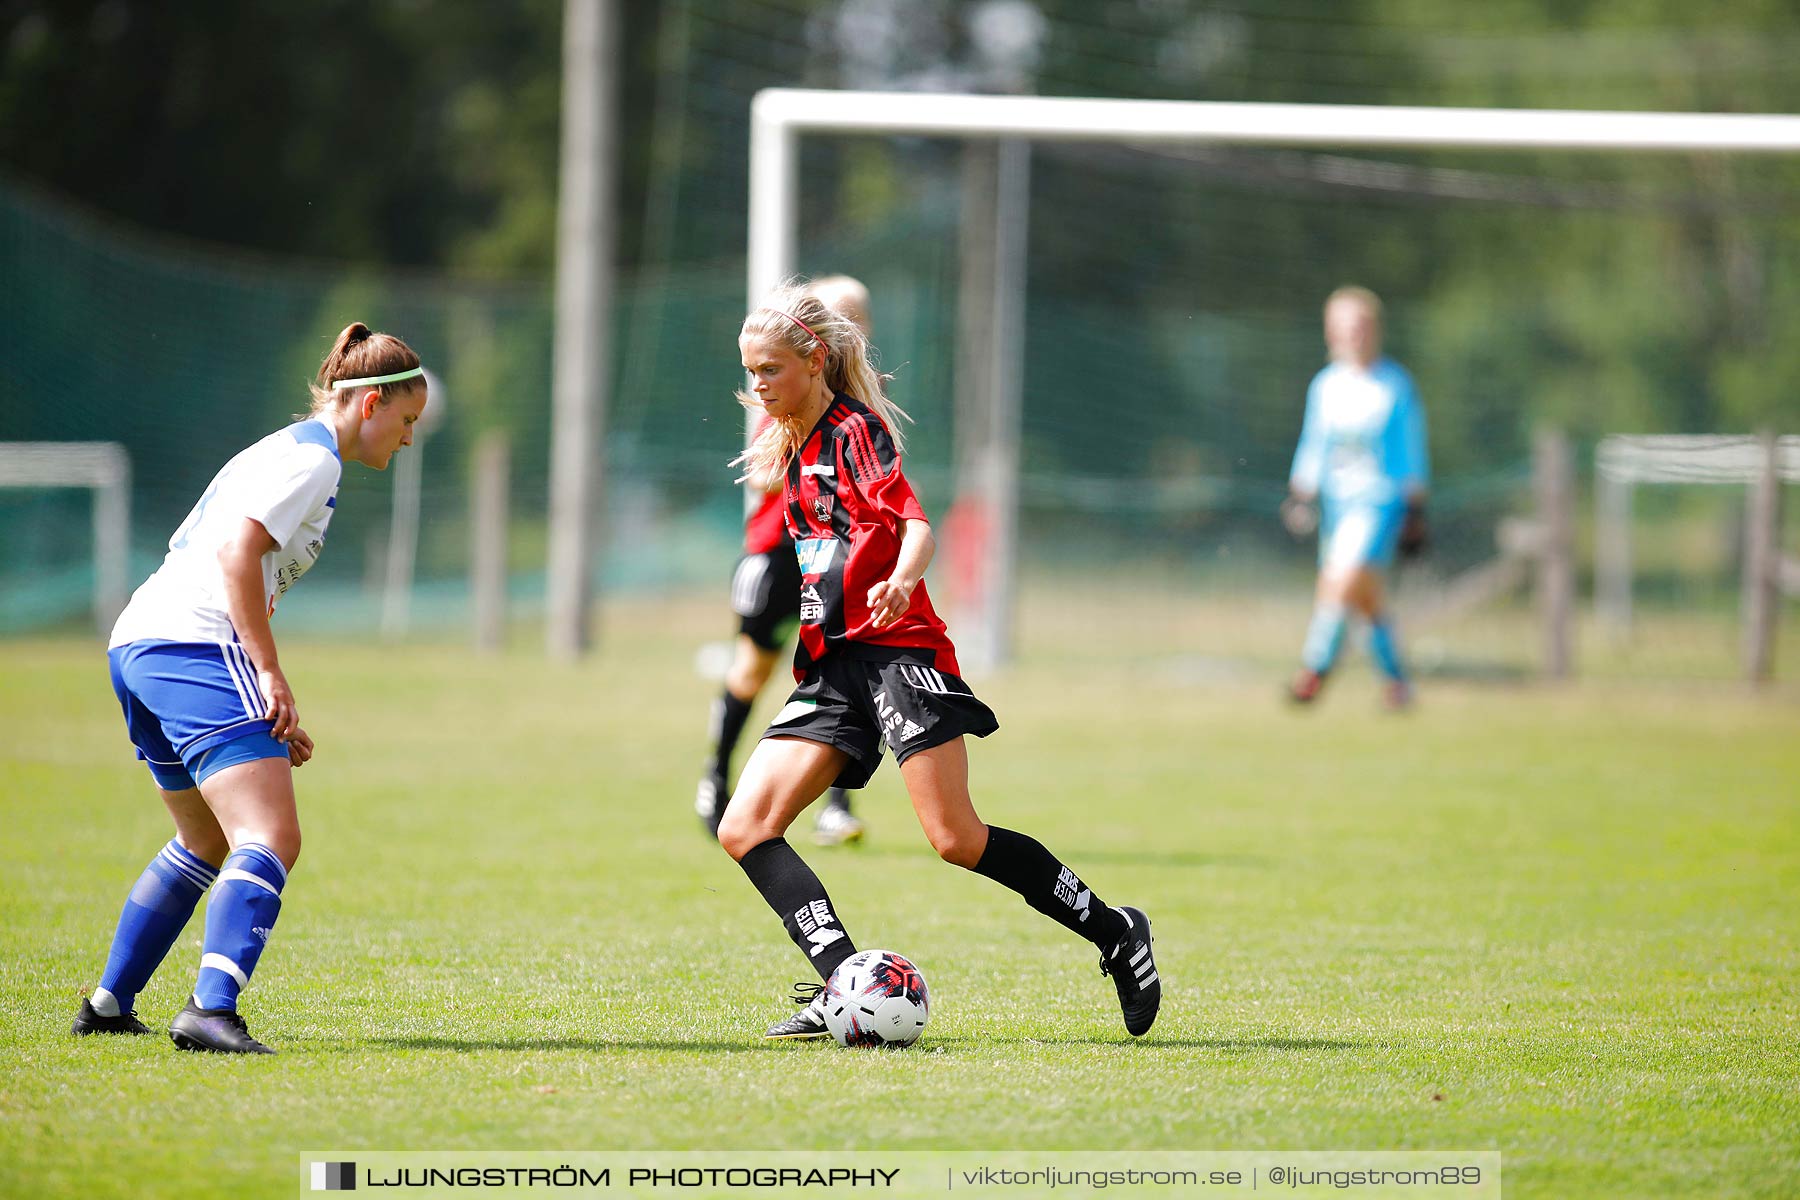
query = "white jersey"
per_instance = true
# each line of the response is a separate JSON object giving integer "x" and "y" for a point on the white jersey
{"x": 287, "y": 483}
{"x": 1363, "y": 440}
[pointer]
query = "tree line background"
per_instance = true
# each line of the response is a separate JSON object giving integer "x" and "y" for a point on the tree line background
{"x": 185, "y": 182}
{"x": 423, "y": 133}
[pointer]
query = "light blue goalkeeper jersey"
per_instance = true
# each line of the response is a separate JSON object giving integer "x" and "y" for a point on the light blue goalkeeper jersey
{"x": 1363, "y": 440}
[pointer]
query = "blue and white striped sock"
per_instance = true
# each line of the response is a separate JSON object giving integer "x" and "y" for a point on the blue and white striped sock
{"x": 155, "y": 913}
{"x": 239, "y": 919}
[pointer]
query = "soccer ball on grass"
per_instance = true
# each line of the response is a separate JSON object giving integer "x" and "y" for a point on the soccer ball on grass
{"x": 876, "y": 998}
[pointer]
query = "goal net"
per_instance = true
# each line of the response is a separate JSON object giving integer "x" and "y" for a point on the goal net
{"x": 1680, "y": 536}
{"x": 1572, "y": 271}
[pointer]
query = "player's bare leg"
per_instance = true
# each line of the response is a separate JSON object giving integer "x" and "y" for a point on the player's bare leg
{"x": 254, "y": 802}
{"x": 784, "y": 776}
{"x": 196, "y": 827}
{"x": 937, "y": 781}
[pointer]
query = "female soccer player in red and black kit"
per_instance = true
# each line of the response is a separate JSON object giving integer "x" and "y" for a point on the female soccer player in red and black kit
{"x": 874, "y": 663}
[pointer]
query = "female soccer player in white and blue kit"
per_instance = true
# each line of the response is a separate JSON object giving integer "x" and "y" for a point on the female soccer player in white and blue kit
{"x": 206, "y": 702}
{"x": 1362, "y": 458}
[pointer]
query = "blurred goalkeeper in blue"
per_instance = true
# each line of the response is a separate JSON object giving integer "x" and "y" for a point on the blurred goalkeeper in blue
{"x": 1359, "y": 477}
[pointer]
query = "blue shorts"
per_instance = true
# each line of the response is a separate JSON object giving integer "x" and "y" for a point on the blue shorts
{"x": 1359, "y": 535}
{"x": 191, "y": 708}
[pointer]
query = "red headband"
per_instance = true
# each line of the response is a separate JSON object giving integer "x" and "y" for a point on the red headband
{"x": 802, "y": 324}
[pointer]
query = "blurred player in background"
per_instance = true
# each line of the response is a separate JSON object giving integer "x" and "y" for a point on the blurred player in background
{"x": 765, "y": 594}
{"x": 875, "y": 664}
{"x": 206, "y": 702}
{"x": 1359, "y": 476}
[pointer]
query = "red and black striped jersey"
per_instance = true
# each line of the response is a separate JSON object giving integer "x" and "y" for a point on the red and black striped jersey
{"x": 766, "y": 529}
{"x": 847, "y": 503}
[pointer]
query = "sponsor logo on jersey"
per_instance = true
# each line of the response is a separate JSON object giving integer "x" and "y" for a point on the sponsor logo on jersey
{"x": 812, "y": 605}
{"x": 815, "y": 554}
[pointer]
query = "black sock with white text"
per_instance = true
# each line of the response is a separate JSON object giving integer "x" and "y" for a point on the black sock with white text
{"x": 799, "y": 899}
{"x": 1021, "y": 863}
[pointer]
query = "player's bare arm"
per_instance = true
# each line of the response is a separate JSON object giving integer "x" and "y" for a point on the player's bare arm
{"x": 889, "y": 599}
{"x": 241, "y": 560}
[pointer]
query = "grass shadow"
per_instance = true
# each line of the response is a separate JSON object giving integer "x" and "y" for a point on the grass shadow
{"x": 1185, "y": 859}
{"x": 598, "y": 1045}
{"x": 972, "y": 1042}
{"x": 1152, "y": 1042}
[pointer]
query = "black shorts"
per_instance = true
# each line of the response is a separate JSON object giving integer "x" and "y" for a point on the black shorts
{"x": 856, "y": 704}
{"x": 765, "y": 594}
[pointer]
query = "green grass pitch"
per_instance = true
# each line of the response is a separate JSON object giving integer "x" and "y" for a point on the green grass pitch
{"x": 1559, "y": 923}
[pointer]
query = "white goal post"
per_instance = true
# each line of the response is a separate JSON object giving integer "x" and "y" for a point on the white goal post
{"x": 780, "y": 116}
{"x": 1763, "y": 464}
{"x": 104, "y": 467}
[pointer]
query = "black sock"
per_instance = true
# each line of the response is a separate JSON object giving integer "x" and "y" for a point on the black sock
{"x": 728, "y": 717}
{"x": 799, "y": 899}
{"x": 1023, "y": 864}
{"x": 837, "y": 797}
